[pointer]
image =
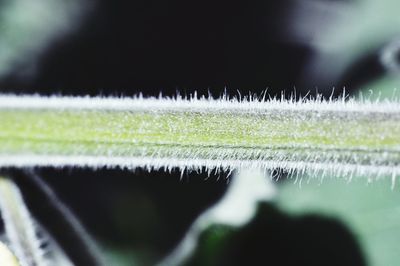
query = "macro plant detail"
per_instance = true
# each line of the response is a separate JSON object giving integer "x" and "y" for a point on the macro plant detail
{"x": 19, "y": 227}
{"x": 199, "y": 133}
{"x": 312, "y": 137}
{"x": 341, "y": 136}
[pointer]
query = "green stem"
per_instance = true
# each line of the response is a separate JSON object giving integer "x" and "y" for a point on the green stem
{"x": 19, "y": 226}
{"x": 345, "y": 138}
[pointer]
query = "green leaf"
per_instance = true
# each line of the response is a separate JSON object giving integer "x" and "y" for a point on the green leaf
{"x": 370, "y": 210}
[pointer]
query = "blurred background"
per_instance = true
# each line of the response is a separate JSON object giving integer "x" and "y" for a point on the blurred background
{"x": 114, "y": 48}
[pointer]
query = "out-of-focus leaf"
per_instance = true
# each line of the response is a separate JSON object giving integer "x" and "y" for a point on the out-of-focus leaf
{"x": 275, "y": 238}
{"x": 370, "y": 210}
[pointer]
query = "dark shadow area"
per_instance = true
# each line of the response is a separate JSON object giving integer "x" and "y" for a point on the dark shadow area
{"x": 149, "y": 212}
{"x": 127, "y": 47}
{"x": 275, "y": 238}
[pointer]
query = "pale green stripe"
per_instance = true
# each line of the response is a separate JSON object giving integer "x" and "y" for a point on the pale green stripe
{"x": 341, "y": 137}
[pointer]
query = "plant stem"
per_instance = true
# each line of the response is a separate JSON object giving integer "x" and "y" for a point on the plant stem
{"x": 317, "y": 136}
{"x": 19, "y": 226}
{"x": 7, "y": 257}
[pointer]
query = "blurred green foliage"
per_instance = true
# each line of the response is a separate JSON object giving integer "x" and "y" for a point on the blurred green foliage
{"x": 370, "y": 210}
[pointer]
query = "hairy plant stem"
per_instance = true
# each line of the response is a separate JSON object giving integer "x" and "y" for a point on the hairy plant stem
{"x": 316, "y": 136}
{"x": 19, "y": 226}
{"x": 7, "y": 257}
